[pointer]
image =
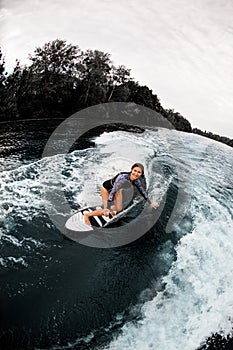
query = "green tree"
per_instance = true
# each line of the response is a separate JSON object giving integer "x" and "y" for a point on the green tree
{"x": 2, "y": 69}
{"x": 11, "y": 90}
{"x": 53, "y": 78}
{"x": 177, "y": 120}
{"x": 144, "y": 96}
{"x": 118, "y": 91}
{"x": 215, "y": 137}
{"x": 94, "y": 73}
{"x": 3, "y": 90}
{"x": 55, "y": 57}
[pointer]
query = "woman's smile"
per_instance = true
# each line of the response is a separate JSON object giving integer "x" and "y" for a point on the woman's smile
{"x": 135, "y": 173}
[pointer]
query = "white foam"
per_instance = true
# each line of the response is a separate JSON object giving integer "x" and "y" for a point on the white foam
{"x": 11, "y": 259}
{"x": 197, "y": 299}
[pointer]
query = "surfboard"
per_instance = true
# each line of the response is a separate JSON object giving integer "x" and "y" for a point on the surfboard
{"x": 75, "y": 222}
{"x": 101, "y": 233}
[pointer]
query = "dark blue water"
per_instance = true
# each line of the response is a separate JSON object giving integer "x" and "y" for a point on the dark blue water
{"x": 61, "y": 291}
{"x": 55, "y": 293}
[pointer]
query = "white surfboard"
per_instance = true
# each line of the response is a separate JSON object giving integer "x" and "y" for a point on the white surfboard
{"x": 76, "y": 221}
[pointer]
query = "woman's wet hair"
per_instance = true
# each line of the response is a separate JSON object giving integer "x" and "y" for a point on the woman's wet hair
{"x": 139, "y": 165}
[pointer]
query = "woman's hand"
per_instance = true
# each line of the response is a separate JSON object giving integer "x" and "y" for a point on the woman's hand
{"x": 106, "y": 212}
{"x": 154, "y": 205}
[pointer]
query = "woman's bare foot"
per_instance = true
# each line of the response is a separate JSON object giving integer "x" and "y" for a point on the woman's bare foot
{"x": 113, "y": 210}
{"x": 106, "y": 212}
{"x": 86, "y": 219}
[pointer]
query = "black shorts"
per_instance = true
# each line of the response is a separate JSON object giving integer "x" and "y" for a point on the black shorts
{"x": 108, "y": 185}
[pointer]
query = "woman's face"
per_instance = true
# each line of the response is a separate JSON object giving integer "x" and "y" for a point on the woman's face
{"x": 136, "y": 172}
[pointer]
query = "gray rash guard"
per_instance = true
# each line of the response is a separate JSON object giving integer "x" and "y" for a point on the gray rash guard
{"x": 124, "y": 178}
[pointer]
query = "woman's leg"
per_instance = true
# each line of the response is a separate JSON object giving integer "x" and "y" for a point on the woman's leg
{"x": 118, "y": 200}
{"x": 105, "y": 195}
{"x": 97, "y": 212}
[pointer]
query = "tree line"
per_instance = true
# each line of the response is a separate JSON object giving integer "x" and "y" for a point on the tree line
{"x": 61, "y": 79}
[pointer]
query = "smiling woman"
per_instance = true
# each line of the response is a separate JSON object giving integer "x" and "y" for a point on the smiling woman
{"x": 111, "y": 192}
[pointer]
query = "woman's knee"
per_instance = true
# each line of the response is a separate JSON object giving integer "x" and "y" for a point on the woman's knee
{"x": 103, "y": 191}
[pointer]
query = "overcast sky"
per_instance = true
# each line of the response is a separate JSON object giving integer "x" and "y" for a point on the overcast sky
{"x": 181, "y": 49}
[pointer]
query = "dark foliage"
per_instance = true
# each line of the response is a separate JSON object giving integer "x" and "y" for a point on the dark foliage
{"x": 177, "y": 120}
{"x": 215, "y": 137}
{"x": 62, "y": 80}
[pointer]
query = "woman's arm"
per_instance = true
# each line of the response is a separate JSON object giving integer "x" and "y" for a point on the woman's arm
{"x": 144, "y": 194}
{"x": 141, "y": 190}
{"x": 120, "y": 179}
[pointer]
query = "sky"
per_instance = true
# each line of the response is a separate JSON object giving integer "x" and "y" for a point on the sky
{"x": 180, "y": 49}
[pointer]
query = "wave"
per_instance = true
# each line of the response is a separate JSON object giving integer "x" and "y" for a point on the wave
{"x": 193, "y": 298}
{"x": 197, "y": 299}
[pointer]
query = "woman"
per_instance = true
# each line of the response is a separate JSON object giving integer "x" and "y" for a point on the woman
{"x": 111, "y": 191}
